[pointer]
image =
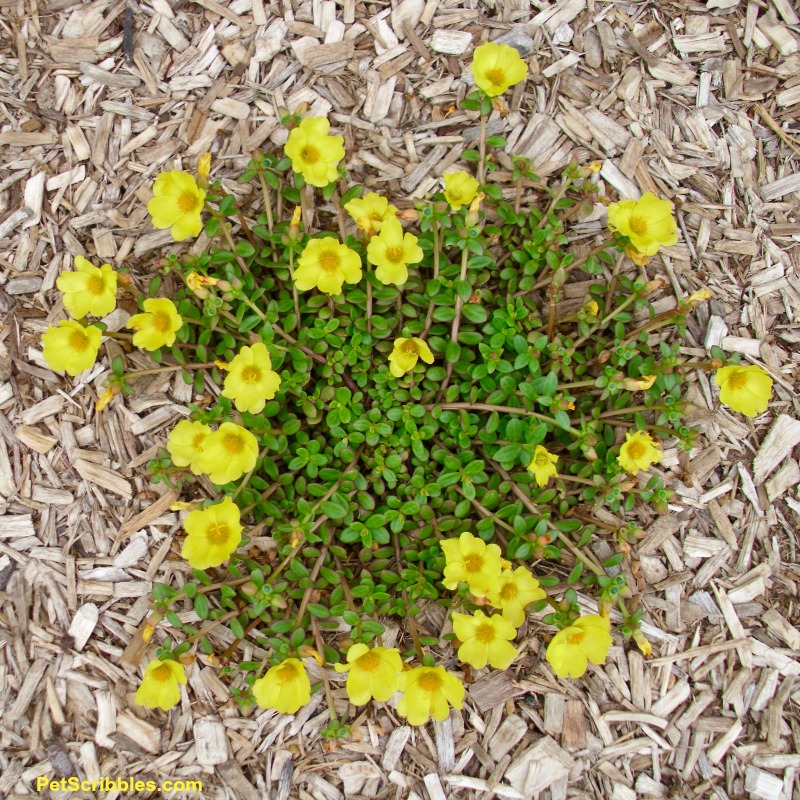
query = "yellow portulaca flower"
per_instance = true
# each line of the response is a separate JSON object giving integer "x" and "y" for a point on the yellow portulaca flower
{"x": 648, "y": 223}
{"x": 160, "y": 685}
{"x": 197, "y": 284}
{"x": 203, "y": 170}
{"x": 285, "y": 687}
{"x": 326, "y": 264}
{"x": 495, "y": 67}
{"x": 214, "y": 533}
{"x": 460, "y": 188}
{"x": 744, "y": 389}
{"x": 543, "y": 465}
{"x": 89, "y": 289}
{"x": 513, "y": 591}
{"x": 227, "y": 453}
{"x": 429, "y": 692}
{"x": 405, "y": 355}
{"x": 251, "y": 381}
{"x": 177, "y": 204}
{"x": 185, "y": 443}
{"x": 391, "y": 251}
{"x": 315, "y": 154}
{"x": 485, "y": 640}
{"x": 370, "y": 212}
{"x": 638, "y": 451}
{"x": 373, "y": 674}
{"x": 570, "y": 650}
{"x": 70, "y": 346}
{"x": 471, "y": 560}
{"x": 157, "y": 326}
{"x": 105, "y": 398}
{"x": 639, "y": 384}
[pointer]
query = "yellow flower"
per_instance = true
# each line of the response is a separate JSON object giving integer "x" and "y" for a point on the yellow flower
{"x": 373, "y": 674}
{"x": 472, "y": 560}
{"x": 88, "y": 290}
{"x": 326, "y": 264}
{"x": 495, "y": 67}
{"x": 648, "y": 223}
{"x": 185, "y": 443}
{"x": 639, "y": 384}
{"x": 428, "y": 690}
{"x": 460, "y": 188}
{"x": 590, "y": 308}
{"x": 698, "y": 297}
{"x": 203, "y": 170}
{"x": 513, "y": 591}
{"x": 570, "y": 650}
{"x": 159, "y": 687}
{"x": 405, "y": 355}
{"x": 250, "y": 381}
{"x": 177, "y": 204}
{"x": 485, "y": 639}
{"x": 285, "y": 687}
{"x": 157, "y": 326}
{"x": 313, "y": 152}
{"x": 543, "y": 465}
{"x": 391, "y": 251}
{"x": 638, "y": 451}
{"x": 370, "y": 212}
{"x": 227, "y": 454}
{"x": 744, "y": 389}
{"x": 105, "y": 398}
{"x": 640, "y": 259}
{"x": 197, "y": 284}
{"x": 214, "y": 533}
{"x": 642, "y": 642}
{"x": 70, "y": 346}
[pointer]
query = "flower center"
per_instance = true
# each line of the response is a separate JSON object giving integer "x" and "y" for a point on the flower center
{"x": 541, "y": 460}
{"x": 197, "y": 442}
{"x": 473, "y": 563}
{"x": 497, "y": 76}
{"x": 575, "y": 638}
{"x": 638, "y": 225}
{"x": 95, "y": 285}
{"x": 286, "y": 674}
{"x": 162, "y": 674}
{"x": 737, "y": 381}
{"x": 485, "y": 633}
{"x": 636, "y": 450}
{"x": 409, "y": 348}
{"x": 217, "y": 533}
{"x": 187, "y": 202}
{"x": 430, "y": 682}
{"x": 232, "y": 443}
{"x": 369, "y": 662}
{"x": 329, "y": 262}
{"x": 78, "y": 340}
{"x": 310, "y": 155}
{"x": 251, "y": 375}
{"x": 395, "y": 254}
{"x": 161, "y": 321}
{"x": 508, "y": 592}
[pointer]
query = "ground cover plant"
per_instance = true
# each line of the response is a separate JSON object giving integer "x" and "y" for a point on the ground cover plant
{"x": 403, "y": 408}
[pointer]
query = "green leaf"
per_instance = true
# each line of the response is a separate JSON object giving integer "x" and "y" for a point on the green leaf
{"x": 452, "y": 352}
{"x": 245, "y": 249}
{"x": 227, "y": 205}
{"x": 318, "y": 610}
{"x": 495, "y": 141}
{"x": 332, "y": 510}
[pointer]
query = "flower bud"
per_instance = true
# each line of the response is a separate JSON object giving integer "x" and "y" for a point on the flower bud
{"x": 203, "y": 169}
{"x": 249, "y": 589}
{"x": 639, "y": 384}
{"x": 409, "y": 215}
{"x": 642, "y": 643}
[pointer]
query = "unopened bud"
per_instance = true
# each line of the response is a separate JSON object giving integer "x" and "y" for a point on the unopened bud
{"x": 642, "y": 643}
{"x": 639, "y": 384}
{"x": 203, "y": 169}
{"x": 249, "y": 589}
{"x": 409, "y": 215}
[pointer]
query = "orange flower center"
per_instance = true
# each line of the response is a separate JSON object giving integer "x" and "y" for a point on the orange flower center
{"x": 473, "y": 563}
{"x": 95, "y": 285}
{"x": 187, "y": 202}
{"x": 329, "y": 261}
{"x": 251, "y": 375}
{"x": 485, "y": 633}
{"x": 78, "y": 340}
{"x": 638, "y": 225}
{"x": 395, "y": 254}
{"x": 368, "y": 662}
{"x": 430, "y": 682}
{"x": 636, "y": 450}
{"x": 310, "y": 154}
{"x": 737, "y": 381}
{"x": 163, "y": 674}
{"x": 217, "y": 533}
{"x": 508, "y": 592}
{"x": 161, "y": 321}
{"x": 575, "y": 638}
{"x": 497, "y": 76}
{"x": 286, "y": 674}
{"x": 409, "y": 348}
{"x": 197, "y": 442}
{"x": 232, "y": 443}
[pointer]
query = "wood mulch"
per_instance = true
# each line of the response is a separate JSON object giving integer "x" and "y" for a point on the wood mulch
{"x": 695, "y": 101}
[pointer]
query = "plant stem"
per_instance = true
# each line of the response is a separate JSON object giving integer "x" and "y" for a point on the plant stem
{"x": 213, "y": 624}
{"x": 612, "y": 285}
{"x": 500, "y": 409}
{"x": 482, "y": 151}
{"x": 132, "y": 376}
{"x": 325, "y": 682}
{"x": 246, "y": 229}
{"x": 226, "y": 232}
{"x": 456, "y": 319}
{"x": 600, "y": 325}
{"x": 295, "y": 296}
{"x": 267, "y": 201}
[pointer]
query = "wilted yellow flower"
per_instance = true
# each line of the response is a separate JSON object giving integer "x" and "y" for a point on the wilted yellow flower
{"x": 405, "y": 355}
{"x": 227, "y": 454}
{"x": 159, "y": 687}
{"x": 251, "y": 381}
{"x": 639, "y": 384}
{"x": 648, "y": 223}
{"x": 105, "y": 398}
{"x": 744, "y": 389}
{"x": 285, "y": 687}
{"x": 470, "y": 559}
{"x": 326, "y": 264}
{"x": 428, "y": 691}
{"x": 70, "y": 346}
{"x": 214, "y": 533}
{"x": 203, "y": 170}
{"x": 157, "y": 326}
{"x": 391, "y": 251}
{"x": 373, "y": 673}
{"x": 495, "y": 67}
{"x": 177, "y": 204}
{"x": 590, "y": 308}
{"x": 460, "y": 188}
{"x": 513, "y": 591}
{"x": 543, "y": 465}
{"x": 370, "y": 212}
{"x": 197, "y": 284}
{"x": 570, "y": 650}
{"x": 642, "y": 643}
{"x": 313, "y": 152}
{"x": 698, "y": 297}
{"x": 89, "y": 289}
{"x": 485, "y": 640}
{"x": 185, "y": 443}
{"x": 638, "y": 451}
